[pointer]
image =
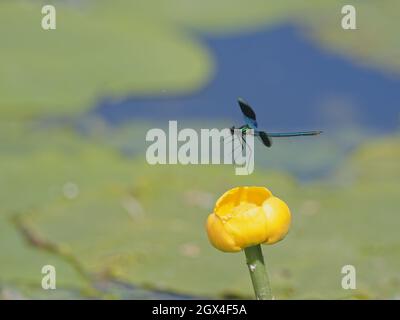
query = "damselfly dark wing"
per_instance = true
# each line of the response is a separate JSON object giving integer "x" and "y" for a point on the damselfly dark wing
{"x": 248, "y": 113}
{"x": 265, "y": 139}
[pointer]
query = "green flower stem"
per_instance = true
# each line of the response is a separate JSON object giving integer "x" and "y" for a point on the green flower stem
{"x": 258, "y": 272}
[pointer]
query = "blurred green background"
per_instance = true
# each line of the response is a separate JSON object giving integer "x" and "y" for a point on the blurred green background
{"x": 77, "y": 193}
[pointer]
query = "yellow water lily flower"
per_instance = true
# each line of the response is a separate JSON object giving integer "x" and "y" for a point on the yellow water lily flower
{"x": 247, "y": 216}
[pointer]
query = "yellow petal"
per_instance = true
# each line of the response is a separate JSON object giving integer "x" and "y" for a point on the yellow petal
{"x": 218, "y": 236}
{"x": 235, "y": 196}
{"x": 278, "y": 216}
{"x": 248, "y": 227}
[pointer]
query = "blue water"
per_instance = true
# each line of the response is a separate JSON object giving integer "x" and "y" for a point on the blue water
{"x": 292, "y": 83}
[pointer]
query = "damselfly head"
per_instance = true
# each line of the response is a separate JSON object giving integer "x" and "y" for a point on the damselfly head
{"x": 232, "y": 129}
